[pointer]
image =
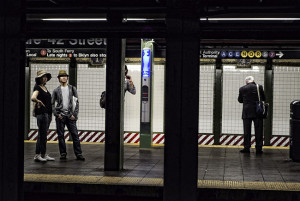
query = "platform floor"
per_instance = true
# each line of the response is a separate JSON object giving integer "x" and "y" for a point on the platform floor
{"x": 221, "y": 167}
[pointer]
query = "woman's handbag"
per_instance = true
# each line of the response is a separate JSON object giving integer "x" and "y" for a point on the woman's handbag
{"x": 261, "y": 106}
{"x": 36, "y": 109}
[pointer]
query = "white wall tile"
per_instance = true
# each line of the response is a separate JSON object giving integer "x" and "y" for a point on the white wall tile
{"x": 90, "y": 84}
{"x": 286, "y": 85}
{"x": 206, "y": 95}
{"x": 233, "y": 79}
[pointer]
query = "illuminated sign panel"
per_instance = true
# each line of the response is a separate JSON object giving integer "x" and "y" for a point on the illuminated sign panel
{"x": 146, "y": 59}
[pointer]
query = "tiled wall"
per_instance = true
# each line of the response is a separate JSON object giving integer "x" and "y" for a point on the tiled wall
{"x": 158, "y": 98}
{"x": 233, "y": 79}
{"x": 286, "y": 89}
{"x": 90, "y": 84}
{"x": 132, "y": 102}
{"x": 51, "y": 85}
{"x": 206, "y": 95}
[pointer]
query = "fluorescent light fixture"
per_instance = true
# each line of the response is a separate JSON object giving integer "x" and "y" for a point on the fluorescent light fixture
{"x": 249, "y": 19}
{"x": 136, "y": 19}
{"x": 74, "y": 19}
{"x": 142, "y": 19}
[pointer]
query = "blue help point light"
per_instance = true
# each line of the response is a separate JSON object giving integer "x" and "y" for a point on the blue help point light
{"x": 146, "y": 59}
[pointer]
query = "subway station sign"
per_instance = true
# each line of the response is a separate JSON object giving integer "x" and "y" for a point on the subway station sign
{"x": 66, "y": 43}
{"x": 66, "y": 48}
{"x": 250, "y": 54}
{"x": 66, "y": 53}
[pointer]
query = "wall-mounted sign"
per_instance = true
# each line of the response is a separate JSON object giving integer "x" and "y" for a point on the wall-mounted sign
{"x": 250, "y": 54}
{"x": 67, "y": 43}
{"x": 66, "y": 53}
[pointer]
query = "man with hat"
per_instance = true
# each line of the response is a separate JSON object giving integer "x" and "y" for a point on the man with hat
{"x": 65, "y": 115}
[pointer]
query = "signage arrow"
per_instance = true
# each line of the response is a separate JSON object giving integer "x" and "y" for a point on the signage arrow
{"x": 280, "y": 54}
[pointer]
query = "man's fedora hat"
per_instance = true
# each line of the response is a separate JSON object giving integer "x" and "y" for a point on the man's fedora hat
{"x": 62, "y": 73}
{"x": 41, "y": 73}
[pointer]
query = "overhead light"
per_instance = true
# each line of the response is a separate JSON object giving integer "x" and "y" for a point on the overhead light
{"x": 74, "y": 19}
{"x": 142, "y": 19}
{"x": 249, "y": 19}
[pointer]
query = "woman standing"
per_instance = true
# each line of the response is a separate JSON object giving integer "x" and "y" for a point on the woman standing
{"x": 43, "y": 112}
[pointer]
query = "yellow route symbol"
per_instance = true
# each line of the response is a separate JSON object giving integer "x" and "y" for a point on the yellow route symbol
{"x": 258, "y": 54}
{"x": 251, "y": 54}
{"x": 244, "y": 54}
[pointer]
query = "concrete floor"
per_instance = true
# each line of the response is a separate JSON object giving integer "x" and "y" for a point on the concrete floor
{"x": 215, "y": 163}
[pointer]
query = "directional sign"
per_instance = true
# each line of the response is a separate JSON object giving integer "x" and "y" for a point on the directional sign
{"x": 280, "y": 54}
{"x": 250, "y": 54}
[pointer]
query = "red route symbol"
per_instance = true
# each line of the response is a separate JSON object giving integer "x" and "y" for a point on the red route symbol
{"x": 43, "y": 52}
{"x": 70, "y": 55}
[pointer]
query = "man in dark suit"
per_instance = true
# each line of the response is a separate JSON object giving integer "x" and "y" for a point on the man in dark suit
{"x": 248, "y": 96}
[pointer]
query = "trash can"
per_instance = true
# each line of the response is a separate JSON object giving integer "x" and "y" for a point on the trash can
{"x": 295, "y": 130}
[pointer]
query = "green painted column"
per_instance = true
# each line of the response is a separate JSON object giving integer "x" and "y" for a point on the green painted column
{"x": 268, "y": 88}
{"x": 217, "y": 115}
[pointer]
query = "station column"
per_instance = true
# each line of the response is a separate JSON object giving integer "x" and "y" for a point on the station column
{"x": 12, "y": 99}
{"x": 146, "y": 95}
{"x": 181, "y": 102}
{"x": 114, "y": 114}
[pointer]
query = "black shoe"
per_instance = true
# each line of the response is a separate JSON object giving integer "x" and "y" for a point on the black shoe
{"x": 245, "y": 151}
{"x": 63, "y": 156}
{"x": 259, "y": 152}
{"x": 80, "y": 157}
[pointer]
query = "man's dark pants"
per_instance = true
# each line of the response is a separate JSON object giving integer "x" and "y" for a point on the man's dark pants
{"x": 258, "y": 128}
{"x": 71, "y": 125}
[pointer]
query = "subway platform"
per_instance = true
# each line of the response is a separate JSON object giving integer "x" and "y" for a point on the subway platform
{"x": 223, "y": 174}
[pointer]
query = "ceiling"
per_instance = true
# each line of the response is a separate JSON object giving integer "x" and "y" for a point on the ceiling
{"x": 283, "y": 31}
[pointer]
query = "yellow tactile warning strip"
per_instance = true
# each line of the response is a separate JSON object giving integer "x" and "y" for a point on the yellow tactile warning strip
{"x": 139, "y": 181}
{"x": 271, "y": 186}
{"x": 84, "y": 179}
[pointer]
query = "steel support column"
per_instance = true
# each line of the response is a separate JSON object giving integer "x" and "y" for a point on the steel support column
{"x": 181, "y": 105}
{"x": 12, "y": 95}
{"x": 114, "y": 114}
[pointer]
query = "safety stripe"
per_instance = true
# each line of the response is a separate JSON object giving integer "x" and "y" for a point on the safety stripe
{"x": 101, "y": 137}
{"x": 136, "y": 138}
{"x": 50, "y": 135}
{"x": 97, "y": 139}
{"x": 159, "y": 138}
{"x": 130, "y": 138}
{"x": 91, "y": 137}
{"x": 239, "y": 141}
{"x": 83, "y": 137}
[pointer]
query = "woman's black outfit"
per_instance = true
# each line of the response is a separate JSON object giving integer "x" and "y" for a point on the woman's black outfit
{"x": 43, "y": 116}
